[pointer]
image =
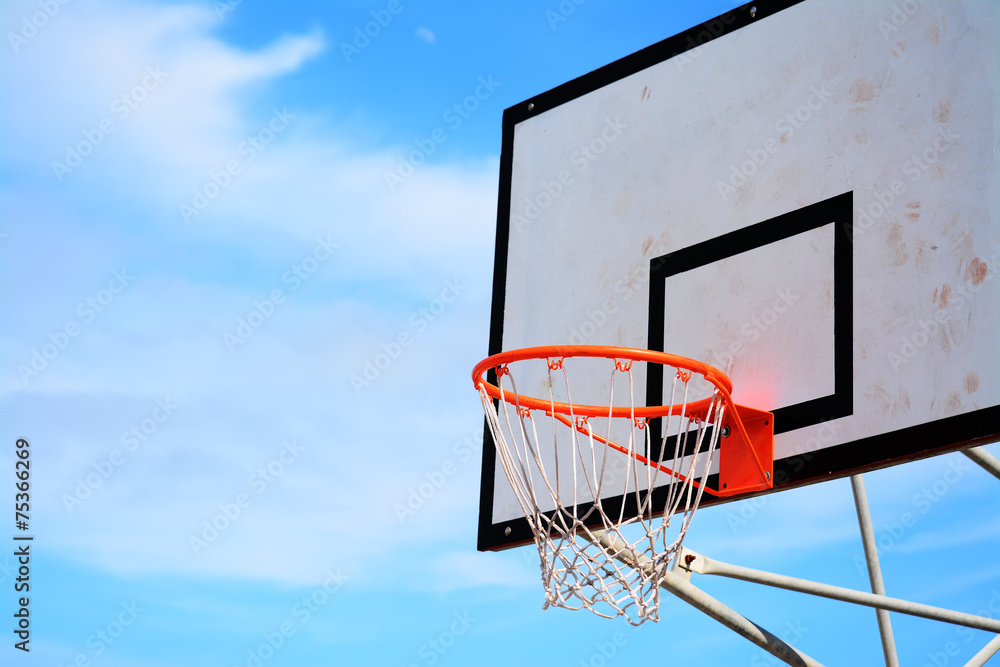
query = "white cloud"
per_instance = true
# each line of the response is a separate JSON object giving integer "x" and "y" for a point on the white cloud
{"x": 163, "y": 336}
{"x": 97, "y": 52}
{"x": 426, "y": 35}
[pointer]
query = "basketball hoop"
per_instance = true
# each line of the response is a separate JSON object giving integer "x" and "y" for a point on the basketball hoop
{"x": 707, "y": 445}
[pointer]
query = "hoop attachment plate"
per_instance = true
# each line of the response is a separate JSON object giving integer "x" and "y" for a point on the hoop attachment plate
{"x": 737, "y": 471}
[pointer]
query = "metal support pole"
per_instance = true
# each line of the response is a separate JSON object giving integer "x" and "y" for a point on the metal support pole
{"x": 874, "y": 570}
{"x": 979, "y": 659}
{"x": 990, "y": 463}
{"x": 704, "y": 602}
{"x": 704, "y": 565}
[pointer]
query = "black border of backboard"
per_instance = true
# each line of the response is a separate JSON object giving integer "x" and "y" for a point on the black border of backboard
{"x": 911, "y": 443}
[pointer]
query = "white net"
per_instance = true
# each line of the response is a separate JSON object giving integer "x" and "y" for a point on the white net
{"x": 599, "y": 497}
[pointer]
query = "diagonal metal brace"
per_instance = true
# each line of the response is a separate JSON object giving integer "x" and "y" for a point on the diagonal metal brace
{"x": 695, "y": 562}
{"x": 987, "y": 461}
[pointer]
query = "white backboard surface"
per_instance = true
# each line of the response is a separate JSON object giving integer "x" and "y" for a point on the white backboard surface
{"x": 807, "y": 198}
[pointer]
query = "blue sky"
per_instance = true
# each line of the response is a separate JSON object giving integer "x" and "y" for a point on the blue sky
{"x": 222, "y": 261}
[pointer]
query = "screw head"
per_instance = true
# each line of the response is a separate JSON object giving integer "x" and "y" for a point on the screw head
{"x": 506, "y": 531}
{"x": 725, "y": 431}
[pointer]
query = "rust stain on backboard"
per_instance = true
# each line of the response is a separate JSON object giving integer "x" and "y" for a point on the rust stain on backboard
{"x": 942, "y": 112}
{"x": 861, "y": 90}
{"x": 945, "y": 295}
{"x": 646, "y": 244}
{"x": 934, "y": 33}
{"x": 976, "y": 272}
{"x": 897, "y": 249}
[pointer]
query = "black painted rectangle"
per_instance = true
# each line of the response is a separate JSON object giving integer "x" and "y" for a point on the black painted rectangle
{"x": 836, "y": 211}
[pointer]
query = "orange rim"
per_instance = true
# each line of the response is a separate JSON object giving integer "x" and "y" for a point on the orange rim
{"x": 554, "y": 354}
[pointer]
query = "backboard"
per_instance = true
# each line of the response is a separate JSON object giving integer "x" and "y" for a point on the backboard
{"x": 803, "y": 194}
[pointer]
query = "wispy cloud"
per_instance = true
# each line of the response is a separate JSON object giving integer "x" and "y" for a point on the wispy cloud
{"x": 426, "y": 35}
{"x": 195, "y": 280}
